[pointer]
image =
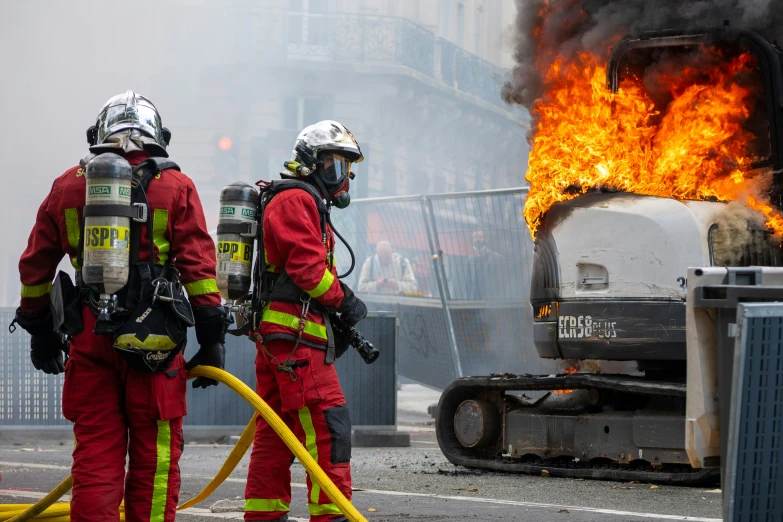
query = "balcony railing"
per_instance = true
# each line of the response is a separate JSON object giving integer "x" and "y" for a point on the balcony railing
{"x": 378, "y": 41}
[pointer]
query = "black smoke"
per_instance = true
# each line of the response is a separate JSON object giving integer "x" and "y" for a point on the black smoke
{"x": 546, "y": 29}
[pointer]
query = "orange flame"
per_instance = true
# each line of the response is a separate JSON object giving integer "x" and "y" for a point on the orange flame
{"x": 571, "y": 369}
{"x": 588, "y": 138}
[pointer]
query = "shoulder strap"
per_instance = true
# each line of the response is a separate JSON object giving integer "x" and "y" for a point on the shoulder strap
{"x": 139, "y": 274}
{"x": 164, "y": 163}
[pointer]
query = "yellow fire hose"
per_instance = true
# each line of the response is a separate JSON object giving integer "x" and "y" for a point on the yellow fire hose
{"x": 45, "y": 510}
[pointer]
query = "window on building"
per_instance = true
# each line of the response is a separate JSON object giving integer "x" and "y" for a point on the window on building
{"x": 307, "y": 23}
{"x": 445, "y": 19}
{"x": 460, "y": 37}
{"x": 480, "y": 34}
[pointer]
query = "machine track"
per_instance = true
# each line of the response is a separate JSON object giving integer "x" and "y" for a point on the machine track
{"x": 493, "y": 388}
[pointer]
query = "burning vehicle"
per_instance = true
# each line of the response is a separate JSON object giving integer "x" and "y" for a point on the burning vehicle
{"x": 666, "y": 155}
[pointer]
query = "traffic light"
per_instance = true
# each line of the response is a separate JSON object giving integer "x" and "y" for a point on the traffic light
{"x": 226, "y": 155}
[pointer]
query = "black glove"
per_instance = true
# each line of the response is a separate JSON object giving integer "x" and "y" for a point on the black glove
{"x": 342, "y": 336}
{"x": 351, "y": 309}
{"x": 47, "y": 353}
{"x": 46, "y": 346}
{"x": 211, "y": 324}
{"x": 208, "y": 355}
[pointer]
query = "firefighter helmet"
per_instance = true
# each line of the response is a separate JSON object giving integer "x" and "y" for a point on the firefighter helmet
{"x": 135, "y": 114}
{"x": 319, "y": 140}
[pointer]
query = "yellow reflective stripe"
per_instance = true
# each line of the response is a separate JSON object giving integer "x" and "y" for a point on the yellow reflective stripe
{"x": 312, "y": 448}
{"x": 266, "y": 504}
{"x": 151, "y": 342}
{"x": 292, "y": 321}
{"x": 161, "y": 482}
{"x": 205, "y": 286}
{"x": 72, "y": 227}
{"x": 33, "y": 291}
{"x": 73, "y": 231}
{"x": 269, "y": 268}
{"x": 324, "y": 509}
{"x": 160, "y": 223}
{"x": 323, "y": 286}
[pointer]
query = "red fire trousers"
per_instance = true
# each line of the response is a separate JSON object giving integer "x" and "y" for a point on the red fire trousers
{"x": 313, "y": 407}
{"x": 117, "y": 410}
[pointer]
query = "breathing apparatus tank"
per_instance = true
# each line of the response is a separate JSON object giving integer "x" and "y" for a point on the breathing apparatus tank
{"x": 106, "y": 255}
{"x": 236, "y": 236}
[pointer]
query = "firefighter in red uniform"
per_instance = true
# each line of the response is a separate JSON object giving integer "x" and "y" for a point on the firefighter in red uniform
{"x": 117, "y": 405}
{"x": 294, "y": 364}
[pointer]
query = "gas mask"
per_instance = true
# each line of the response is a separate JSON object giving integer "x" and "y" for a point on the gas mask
{"x": 341, "y": 198}
{"x": 337, "y": 177}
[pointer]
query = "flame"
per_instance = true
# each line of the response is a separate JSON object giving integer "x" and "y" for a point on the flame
{"x": 697, "y": 148}
{"x": 571, "y": 369}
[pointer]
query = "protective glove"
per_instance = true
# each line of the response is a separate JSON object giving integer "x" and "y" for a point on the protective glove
{"x": 211, "y": 325}
{"x": 46, "y": 346}
{"x": 47, "y": 353}
{"x": 342, "y": 336}
{"x": 351, "y": 309}
{"x": 208, "y": 355}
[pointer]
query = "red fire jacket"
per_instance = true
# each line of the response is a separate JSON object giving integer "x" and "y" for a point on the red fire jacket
{"x": 292, "y": 242}
{"x": 179, "y": 233}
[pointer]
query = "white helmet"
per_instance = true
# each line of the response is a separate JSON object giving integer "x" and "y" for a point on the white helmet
{"x": 317, "y": 141}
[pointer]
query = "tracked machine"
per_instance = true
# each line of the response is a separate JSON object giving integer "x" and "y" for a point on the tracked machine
{"x": 608, "y": 294}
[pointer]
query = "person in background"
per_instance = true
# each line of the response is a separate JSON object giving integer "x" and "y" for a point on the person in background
{"x": 387, "y": 272}
{"x": 484, "y": 279}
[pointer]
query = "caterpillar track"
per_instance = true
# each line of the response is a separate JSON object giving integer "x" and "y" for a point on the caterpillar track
{"x": 604, "y": 427}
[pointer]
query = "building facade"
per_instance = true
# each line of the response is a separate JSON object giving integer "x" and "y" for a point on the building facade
{"x": 417, "y": 82}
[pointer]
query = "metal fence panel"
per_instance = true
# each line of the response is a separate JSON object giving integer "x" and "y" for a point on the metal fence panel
{"x": 487, "y": 327}
{"x": 402, "y": 222}
{"x": 487, "y": 250}
{"x": 755, "y": 446}
{"x": 27, "y": 397}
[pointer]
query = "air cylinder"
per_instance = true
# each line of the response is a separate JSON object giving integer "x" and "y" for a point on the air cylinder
{"x": 236, "y": 239}
{"x": 106, "y": 256}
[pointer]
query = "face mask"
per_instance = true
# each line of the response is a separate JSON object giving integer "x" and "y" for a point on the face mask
{"x": 341, "y": 198}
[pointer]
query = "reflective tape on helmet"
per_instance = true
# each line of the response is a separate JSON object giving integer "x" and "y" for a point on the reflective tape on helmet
{"x": 266, "y": 505}
{"x": 204, "y": 286}
{"x": 323, "y": 286}
{"x": 292, "y": 321}
{"x": 33, "y": 291}
{"x": 160, "y": 223}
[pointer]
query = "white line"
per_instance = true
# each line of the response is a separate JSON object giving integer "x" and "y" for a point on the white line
{"x": 199, "y": 512}
{"x": 541, "y": 505}
{"x": 36, "y": 466}
{"x": 32, "y": 494}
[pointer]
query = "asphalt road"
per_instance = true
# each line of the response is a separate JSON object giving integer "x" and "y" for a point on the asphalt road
{"x": 396, "y": 484}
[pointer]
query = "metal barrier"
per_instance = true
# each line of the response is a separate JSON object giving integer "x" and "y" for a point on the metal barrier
{"x": 468, "y": 311}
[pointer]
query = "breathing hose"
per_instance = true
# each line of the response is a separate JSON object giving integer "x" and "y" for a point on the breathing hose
{"x": 44, "y": 509}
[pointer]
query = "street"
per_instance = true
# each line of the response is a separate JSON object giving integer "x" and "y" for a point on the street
{"x": 392, "y": 484}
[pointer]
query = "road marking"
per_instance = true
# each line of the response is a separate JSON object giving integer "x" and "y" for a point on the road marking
{"x": 198, "y": 512}
{"x": 519, "y": 503}
{"x": 540, "y": 505}
{"x": 33, "y": 465}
